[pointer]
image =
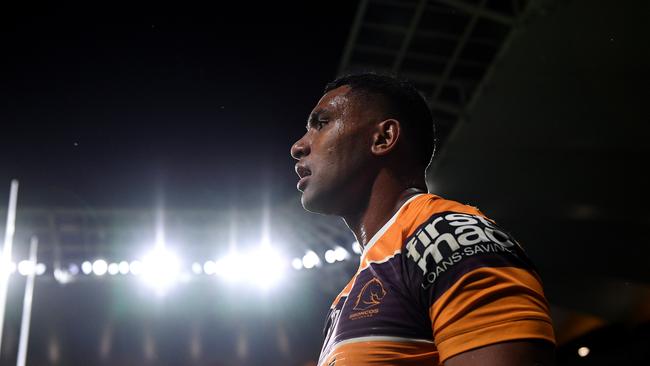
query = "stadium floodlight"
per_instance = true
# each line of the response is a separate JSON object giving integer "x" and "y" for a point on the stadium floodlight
{"x": 263, "y": 267}
{"x": 100, "y": 267}
{"x": 330, "y": 256}
{"x": 267, "y": 267}
{"x": 197, "y": 268}
{"x": 209, "y": 267}
{"x": 62, "y": 276}
{"x": 135, "y": 267}
{"x": 232, "y": 267}
{"x": 340, "y": 254}
{"x": 73, "y": 269}
{"x": 40, "y": 269}
{"x": 583, "y": 351}
{"x": 123, "y": 267}
{"x": 310, "y": 259}
{"x": 87, "y": 267}
{"x": 356, "y": 248}
{"x": 25, "y": 267}
{"x": 113, "y": 269}
{"x": 296, "y": 263}
{"x": 160, "y": 269}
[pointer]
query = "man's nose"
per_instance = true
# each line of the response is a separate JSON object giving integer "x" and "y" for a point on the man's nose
{"x": 300, "y": 149}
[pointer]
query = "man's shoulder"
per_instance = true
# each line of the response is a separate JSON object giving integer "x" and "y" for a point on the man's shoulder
{"x": 410, "y": 220}
{"x": 424, "y": 206}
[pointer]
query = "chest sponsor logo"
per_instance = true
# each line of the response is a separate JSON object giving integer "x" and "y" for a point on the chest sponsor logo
{"x": 448, "y": 238}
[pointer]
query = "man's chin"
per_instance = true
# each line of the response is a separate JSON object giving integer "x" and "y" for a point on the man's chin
{"x": 317, "y": 205}
{"x": 308, "y": 204}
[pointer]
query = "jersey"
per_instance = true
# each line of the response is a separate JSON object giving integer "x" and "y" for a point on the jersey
{"x": 438, "y": 279}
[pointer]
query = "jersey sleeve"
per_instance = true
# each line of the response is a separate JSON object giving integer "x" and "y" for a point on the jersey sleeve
{"x": 476, "y": 284}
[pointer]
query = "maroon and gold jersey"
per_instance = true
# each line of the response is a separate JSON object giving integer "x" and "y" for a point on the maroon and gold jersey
{"x": 437, "y": 279}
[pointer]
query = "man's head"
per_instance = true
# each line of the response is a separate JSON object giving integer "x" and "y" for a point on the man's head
{"x": 362, "y": 124}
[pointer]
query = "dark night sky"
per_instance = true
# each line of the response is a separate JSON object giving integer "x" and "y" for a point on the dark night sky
{"x": 105, "y": 107}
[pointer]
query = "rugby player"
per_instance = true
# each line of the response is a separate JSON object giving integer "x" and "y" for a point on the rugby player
{"x": 438, "y": 282}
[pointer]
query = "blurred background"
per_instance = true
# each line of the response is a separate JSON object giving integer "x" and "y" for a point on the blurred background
{"x": 152, "y": 149}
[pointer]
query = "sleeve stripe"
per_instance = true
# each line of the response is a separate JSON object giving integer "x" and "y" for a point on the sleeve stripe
{"x": 490, "y": 305}
{"x": 453, "y": 274}
{"x": 517, "y": 329}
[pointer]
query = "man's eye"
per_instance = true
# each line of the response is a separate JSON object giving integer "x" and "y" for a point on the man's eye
{"x": 320, "y": 124}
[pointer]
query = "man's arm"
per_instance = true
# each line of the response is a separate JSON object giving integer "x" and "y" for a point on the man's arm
{"x": 484, "y": 299}
{"x": 514, "y": 353}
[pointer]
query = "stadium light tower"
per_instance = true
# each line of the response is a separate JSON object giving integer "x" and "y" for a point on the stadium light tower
{"x": 268, "y": 267}
{"x": 160, "y": 267}
{"x": 5, "y": 260}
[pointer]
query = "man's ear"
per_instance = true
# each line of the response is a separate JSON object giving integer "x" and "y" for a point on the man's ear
{"x": 385, "y": 137}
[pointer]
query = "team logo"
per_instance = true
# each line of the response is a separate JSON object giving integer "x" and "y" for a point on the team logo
{"x": 370, "y": 295}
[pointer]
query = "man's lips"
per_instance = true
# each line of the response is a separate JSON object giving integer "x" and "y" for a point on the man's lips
{"x": 304, "y": 173}
{"x": 302, "y": 183}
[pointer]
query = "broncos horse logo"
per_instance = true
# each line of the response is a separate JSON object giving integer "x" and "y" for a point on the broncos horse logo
{"x": 370, "y": 295}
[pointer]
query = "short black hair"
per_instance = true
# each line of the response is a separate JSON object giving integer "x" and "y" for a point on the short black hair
{"x": 402, "y": 102}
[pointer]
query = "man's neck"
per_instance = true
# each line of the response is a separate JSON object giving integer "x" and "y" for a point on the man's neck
{"x": 385, "y": 200}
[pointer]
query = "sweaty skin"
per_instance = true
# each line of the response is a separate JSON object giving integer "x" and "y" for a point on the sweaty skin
{"x": 345, "y": 150}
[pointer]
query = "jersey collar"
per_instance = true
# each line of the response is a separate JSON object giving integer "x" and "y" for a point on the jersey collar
{"x": 386, "y": 226}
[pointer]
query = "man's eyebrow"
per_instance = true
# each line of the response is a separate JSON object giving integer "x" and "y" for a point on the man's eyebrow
{"x": 313, "y": 117}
